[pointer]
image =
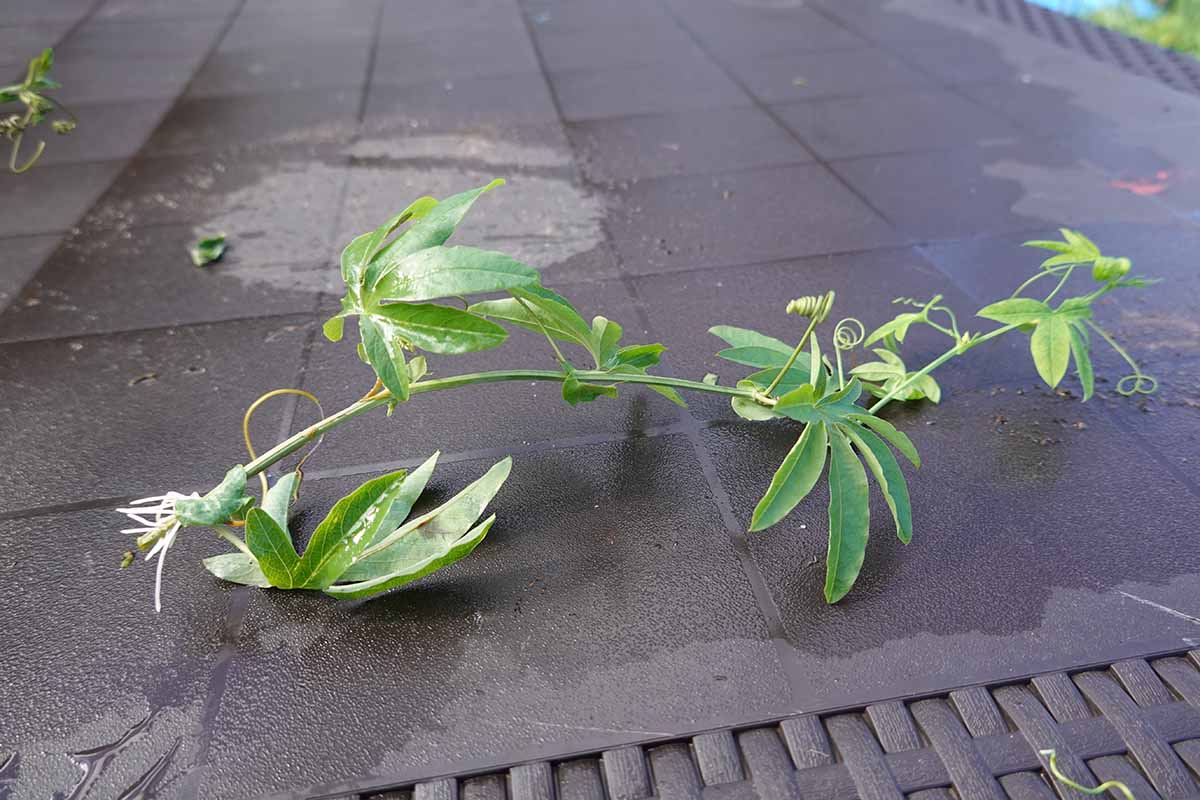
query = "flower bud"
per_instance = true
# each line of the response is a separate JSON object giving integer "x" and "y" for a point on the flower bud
{"x": 1107, "y": 269}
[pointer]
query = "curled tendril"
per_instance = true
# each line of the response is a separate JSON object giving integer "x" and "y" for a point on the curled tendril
{"x": 815, "y": 307}
{"x": 254, "y": 407}
{"x": 1137, "y": 383}
{"x": 848, "y": 334}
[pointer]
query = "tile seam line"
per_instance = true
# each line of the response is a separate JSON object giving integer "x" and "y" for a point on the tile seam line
{"x": 763, "y": 600}
{"x": 337, "y": 791}
{"x": 757, "y": 102}
{"x": 307, "y": 316}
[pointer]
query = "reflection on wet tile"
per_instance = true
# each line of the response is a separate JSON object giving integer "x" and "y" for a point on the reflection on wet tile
{"x": 577, "y": 623}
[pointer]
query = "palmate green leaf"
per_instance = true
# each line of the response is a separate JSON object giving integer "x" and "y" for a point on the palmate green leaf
{"x": 795, "y": 377}
{"x": 272, "y": 546}
{"x": 430, "y": 535}
{"x": 897, "y": 328}
{"x": 1050, "y": 345}
{"x": 439, "y": 272}
{"x": 534, "y": 308}
{"x": 1015, "y": 311}
{"x": 795, "y": 478}
{"x": 895, "y": 438}
{"x": 751, "y": 348}
{"x": 642, "y": 356}
{"x": 344, "y": 534}
{"x": 887, "y": 474}
{"x": 849, "y": 518}
{"x": 218, "y": 505}
{"x": 440, "y": 329}
{"x": 1083, "y": 360}
{"x": 363, "y": 249}
{"x": 890, "y": 372}
{"x": 382, "y": 347}
{"x": 237, "y": 568}
{"x": 748, "y": 409}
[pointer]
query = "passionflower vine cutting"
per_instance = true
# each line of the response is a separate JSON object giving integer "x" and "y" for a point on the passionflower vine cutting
{"x": 371, "y": 543}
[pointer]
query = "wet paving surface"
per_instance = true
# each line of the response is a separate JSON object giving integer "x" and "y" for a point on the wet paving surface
{"x": 672, "y": 165}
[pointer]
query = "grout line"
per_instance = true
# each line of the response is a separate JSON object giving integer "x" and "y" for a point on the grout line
{"x": 371, "y": 59}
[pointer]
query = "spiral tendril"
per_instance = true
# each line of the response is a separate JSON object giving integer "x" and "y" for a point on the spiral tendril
{"x": 815, "y": 307}
{"x": 1137, "y": 383}
{"x": 848, "y": 334}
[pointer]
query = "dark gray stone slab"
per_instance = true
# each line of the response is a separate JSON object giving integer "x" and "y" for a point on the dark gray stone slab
{"x": 266, "y": 70}
{"x": 1156, "y": 325}
{"x": 115, "y": 79}
{"x": 729, "y": 30}
{"x": 669, "y": 224}
{"x": 549, "y": 16}
{"x": 451, "y": 55}
{"x": 982, "y": 190}
{"x": 688, "y": 85}
{"x": 124, "y": 678}
{"x": 23, "y": 42}
{"x": 210, "y": 124}
{"x": 138, "y": 10}
{"x": 1000, "y": 579}
{"x": 350, "y": 26}
{"x": 683, "y": 306}
{"x": 22, "y": 257}
{"x": 467, "y": 17}
{"x": 20, "y": 12}
{"x": 50, "y": 198}
{"x": 492, "y": 102}
{"x": 173, "y": 39}
{"x": 112, "y": 279}
{"x": 277, "y": 207}
{"x": 524, "y": 647}
{"x": 607, "y": 48}
{"x": 908, "y": 22}
{"x": 136, "y": 413}
{"x": 802, "y": 75}
{"x": 695, "y": 142}
{"x": 985, "y": 58}
{"x": 502, "y": 415}
{"x": 106, "y": 132}
{"x": 895, "y": 122}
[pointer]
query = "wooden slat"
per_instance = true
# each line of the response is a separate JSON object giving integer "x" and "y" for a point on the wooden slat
{"x": 532, "y": 781}
{"x": 894, "y": 727}
{"x": 717, "y": 756}
{"x": 979, "y": 711}
{"x": 932, "y": 794}
{"x": 1026, "y": 786}
{"x": 1139, "y": 680}
{"x": 446, "y": 789}
{"x": 1119, "y": 768}
{"x": 968, "y": 771}
{"x": 675, "y": 774}
{"x": 484, "y": 787}
{"x": 863, "y": 757}
{"x": 806, "y": 742}
{"x": 1153, "y": 753}
{"x": 1042, "y": 732}
{"x": 1189, "y": 751}
{"x": 1061, "y": 697}
{"x": 768, "y": 764}
{"x": 579, "y": 779}
{"x": 625, "y": 772}
{"x": 1182, "y": 677}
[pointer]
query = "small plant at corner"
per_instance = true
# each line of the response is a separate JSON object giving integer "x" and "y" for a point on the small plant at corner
{"x": 31, "y": 93}
{"x": 401, "y": 282}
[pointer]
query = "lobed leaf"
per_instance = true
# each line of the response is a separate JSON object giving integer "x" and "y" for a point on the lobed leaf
{"x": 888, "y": 431}
{"x": 795, "y": 478}
{"x": 441, "y": 329}
{"x": 439, "y": 272}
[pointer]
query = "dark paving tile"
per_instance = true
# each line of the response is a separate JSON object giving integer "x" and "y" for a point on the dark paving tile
{"x": 543, "y": 217}
{"x": 1029, "y": 537}
{"x": 982, "y": 59}
{"x": 51, "y": 198}
{"x": 233, "y": 73}
{"x": 280, "y": 118}
{"x": 737, "y": 218}
{"x": 106, "y": 132}
{"x": 114, "y": 79}
{"x": 109, "y": 279}
{"x": 490, "y": 678}
{"x": 500, "y": 415}
{"x": 908, "y": 22}
{"x": 696, "y": 142}
{"x": 357, "y": 10}
{"x": 733, "y": 31}
{"x": 897, "y": 122}
{"x": 135, "y": 413}
{"x": 1157, "y": 325}
{"x": 982, "y": 190}
{"x": 683, "y": 306}
{"x": 277, "y": 206}
{"x": 690, "y": 85}
{"x": 805, "y": 75}
{"x": 465, "y": 17}
{"x": 151, "y": 39}
{"x": 606, "y": 48}
{"x": 1066, "y": 100}
{"x": 139, "y": 10}
{"x": 22, "y": 42}
{"x": 548, "y": 16}
{"x": 501, "y": 101}
{"x": 451, "y": 56}
{"x": 22, "y": 257}
{"x": 350, "y": 26}
{"x": 26, "y": 12}
{"x": 115, "y": 661}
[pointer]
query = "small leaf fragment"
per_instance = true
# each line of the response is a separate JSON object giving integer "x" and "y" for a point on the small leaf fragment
{"x": 207, "y": 250}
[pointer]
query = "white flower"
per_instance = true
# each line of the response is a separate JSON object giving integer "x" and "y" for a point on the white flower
{"x": 156, "y": 515}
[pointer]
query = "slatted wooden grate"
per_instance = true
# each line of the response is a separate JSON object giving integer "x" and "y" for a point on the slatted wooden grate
{"x": 1136, "y": 721}
{"x": 1178, "y": 70}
